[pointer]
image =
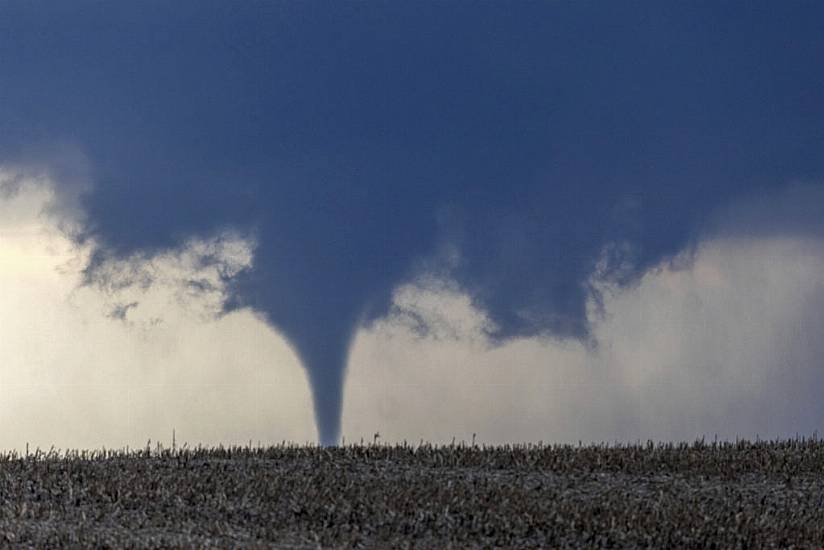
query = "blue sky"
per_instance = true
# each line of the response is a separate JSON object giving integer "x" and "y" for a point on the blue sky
{"x": 515, "y": 149}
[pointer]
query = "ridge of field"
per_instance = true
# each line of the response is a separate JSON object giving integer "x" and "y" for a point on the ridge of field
{"x": 700, "y": 494}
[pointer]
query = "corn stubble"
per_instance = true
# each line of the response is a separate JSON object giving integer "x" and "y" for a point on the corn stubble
{"x": 724, "y": 494}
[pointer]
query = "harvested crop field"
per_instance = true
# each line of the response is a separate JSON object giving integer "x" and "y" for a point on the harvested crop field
{"x": 742, "y": 494}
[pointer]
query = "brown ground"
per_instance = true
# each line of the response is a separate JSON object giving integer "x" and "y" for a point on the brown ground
{"x": 727, "y": 495}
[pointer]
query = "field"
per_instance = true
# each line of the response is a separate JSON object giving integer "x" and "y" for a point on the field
{"x": 725, "y": 494}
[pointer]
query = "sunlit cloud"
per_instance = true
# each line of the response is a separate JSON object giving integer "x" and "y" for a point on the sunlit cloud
{"x": 728, "y": 344}
{"x": 91, "y": 365}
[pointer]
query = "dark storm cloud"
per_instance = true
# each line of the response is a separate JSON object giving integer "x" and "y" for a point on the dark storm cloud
{"x": 797, "y": 210}
{"x": 120, "y": 311}
{"x": 354, "y": 139}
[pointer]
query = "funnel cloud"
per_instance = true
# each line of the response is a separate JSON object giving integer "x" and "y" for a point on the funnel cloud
{"x": 515, "y": 151}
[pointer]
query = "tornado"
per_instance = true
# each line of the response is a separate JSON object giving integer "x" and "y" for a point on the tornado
{"x": 325, "y": 363}
{"x": 323, "y": 349}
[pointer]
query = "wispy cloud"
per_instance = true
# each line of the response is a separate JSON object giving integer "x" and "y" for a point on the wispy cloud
{"x": 724, "y": 340}
{"x": 72, "y": 377}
